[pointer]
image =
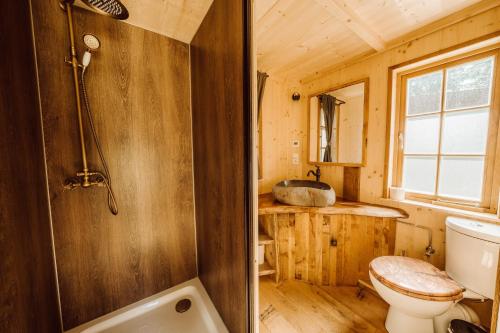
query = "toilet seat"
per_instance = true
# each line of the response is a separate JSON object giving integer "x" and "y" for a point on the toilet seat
{"x": 415, "y": 278}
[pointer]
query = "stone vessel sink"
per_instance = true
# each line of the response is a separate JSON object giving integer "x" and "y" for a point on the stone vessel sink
{"x": 304, "y": 193}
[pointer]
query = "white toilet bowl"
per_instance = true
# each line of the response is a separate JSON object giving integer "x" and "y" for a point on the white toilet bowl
{"x": 409, "y": 314}
{"x": 416, "y": 291}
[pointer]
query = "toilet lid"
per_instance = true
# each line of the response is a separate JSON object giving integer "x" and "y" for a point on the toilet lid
{"x": 415, "y": 278}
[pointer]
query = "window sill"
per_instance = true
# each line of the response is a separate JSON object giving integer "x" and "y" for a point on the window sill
{"x": 486, "y": 217}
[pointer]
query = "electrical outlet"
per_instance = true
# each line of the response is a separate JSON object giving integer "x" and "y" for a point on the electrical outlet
{"x": 295, "y": 159}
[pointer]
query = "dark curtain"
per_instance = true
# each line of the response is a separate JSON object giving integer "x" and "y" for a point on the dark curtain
{"x": 261, "y": 84}
{"x": 328, "y": 107}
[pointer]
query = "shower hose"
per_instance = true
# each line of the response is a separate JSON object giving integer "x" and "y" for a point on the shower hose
{"x": 113, "y": 206}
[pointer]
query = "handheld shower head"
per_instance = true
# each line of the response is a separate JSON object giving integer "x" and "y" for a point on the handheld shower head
{"x": 92, "y": 43}
{"x": 112, "y": 8}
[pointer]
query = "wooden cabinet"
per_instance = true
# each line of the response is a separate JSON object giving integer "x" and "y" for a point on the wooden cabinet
{"x": 326, "y": 249}
{"x": 327, "y": 246}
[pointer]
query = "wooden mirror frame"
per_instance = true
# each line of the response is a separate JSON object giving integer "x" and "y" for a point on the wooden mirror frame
{"x": 366, "y": 97}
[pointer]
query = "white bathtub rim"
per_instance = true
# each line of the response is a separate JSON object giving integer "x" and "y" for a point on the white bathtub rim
{"x": 192, "y": 288}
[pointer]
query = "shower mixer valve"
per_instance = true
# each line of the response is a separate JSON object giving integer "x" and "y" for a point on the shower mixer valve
{"x": 86, "y": 180}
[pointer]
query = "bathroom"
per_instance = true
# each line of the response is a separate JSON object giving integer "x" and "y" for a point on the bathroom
{"x": 239, "y": 166}
{"x": 346, "y": 97}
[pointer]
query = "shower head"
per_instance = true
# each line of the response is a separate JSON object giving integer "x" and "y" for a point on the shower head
{"x": 92, "y": 42}
{"x": 112, "y": 8}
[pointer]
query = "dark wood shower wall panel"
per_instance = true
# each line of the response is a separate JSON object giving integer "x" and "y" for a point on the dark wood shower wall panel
{"x": 138, "y": 84}
{"x": 28, "y": 295}
{"x": 219, "y": 127}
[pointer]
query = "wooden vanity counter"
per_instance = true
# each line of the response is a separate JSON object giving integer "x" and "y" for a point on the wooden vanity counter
{"x": 325, "y": 245}
{"x": 267, "y": 205}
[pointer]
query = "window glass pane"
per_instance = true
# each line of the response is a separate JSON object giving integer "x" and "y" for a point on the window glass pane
{"x": 468, "y": 85}
{"x": 424, "y": 93}
{"x": 465, "y": 132}
{"x": 461, "y": 177}
{"x": 422, "y": 135}
{"x": 419, "y": 174}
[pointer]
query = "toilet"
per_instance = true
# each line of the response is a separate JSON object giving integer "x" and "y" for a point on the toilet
{"x": 418, "y": 293}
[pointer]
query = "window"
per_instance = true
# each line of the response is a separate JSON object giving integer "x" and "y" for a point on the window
{"x": 446, "y": 131}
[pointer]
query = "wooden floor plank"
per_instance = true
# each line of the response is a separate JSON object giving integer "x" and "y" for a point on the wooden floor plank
{"x": 371, "y": 308}
{"x": 298, "y": 307}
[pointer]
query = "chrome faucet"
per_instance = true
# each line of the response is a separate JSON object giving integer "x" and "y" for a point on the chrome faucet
{"x": 317, "y": 174}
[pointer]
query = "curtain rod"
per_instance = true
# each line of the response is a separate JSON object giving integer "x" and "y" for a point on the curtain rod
{"x": 337, "y": 101}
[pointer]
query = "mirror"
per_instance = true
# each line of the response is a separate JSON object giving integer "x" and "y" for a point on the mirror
{"x": 338, "y": 124}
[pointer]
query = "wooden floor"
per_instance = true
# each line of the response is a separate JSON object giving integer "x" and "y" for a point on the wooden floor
{"x": 297, "y": 307}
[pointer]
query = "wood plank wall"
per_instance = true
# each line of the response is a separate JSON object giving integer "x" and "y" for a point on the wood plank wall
{"x": 220, "y": 145}
{"x": 28, "y": 296}
{"x": 351, "y": 190}
{"x": 281, "y": 124}
{"x": 138, "y": 84}
{"x": 284, "y": 121}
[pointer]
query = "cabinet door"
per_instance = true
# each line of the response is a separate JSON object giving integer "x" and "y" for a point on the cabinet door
{"x": 365, "y": 238}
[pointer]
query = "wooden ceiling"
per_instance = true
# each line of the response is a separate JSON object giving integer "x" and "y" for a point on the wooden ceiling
{"x": 297, "y": 39}
{"x": 177, "y": 19}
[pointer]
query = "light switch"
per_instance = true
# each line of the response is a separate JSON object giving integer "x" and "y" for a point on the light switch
{"x": 295, "y": 143}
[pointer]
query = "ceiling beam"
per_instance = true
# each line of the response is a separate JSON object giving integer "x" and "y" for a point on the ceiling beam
{"x": 453, "y": 18}
{"x": 341, "y": 10}
{"x": 443, "y": 23}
